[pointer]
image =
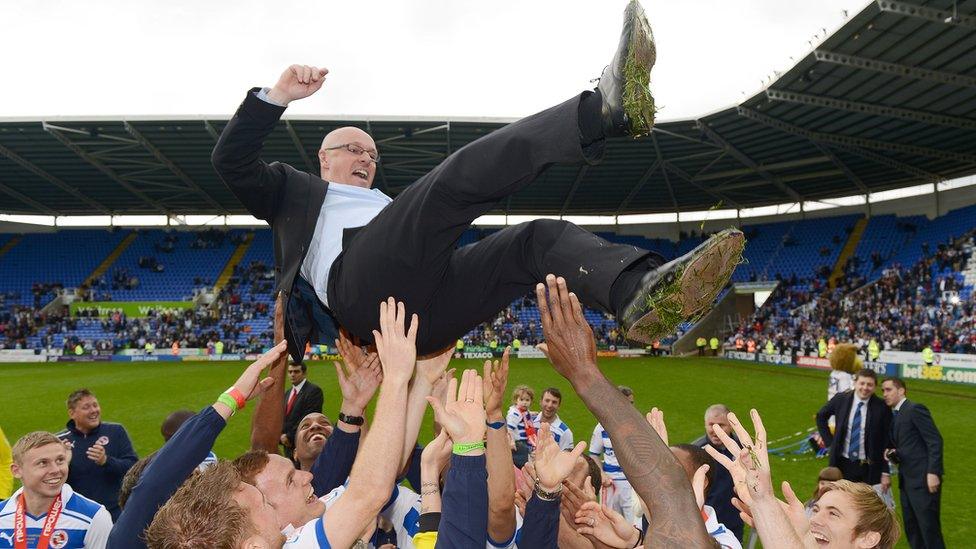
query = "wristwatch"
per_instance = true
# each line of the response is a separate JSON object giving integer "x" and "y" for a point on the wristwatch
{"x": 351, "y": 420}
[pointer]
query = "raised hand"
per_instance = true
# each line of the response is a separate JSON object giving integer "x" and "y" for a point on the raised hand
{"x": 569, "y": 340}
{"x": 250, "y": 383}
{"x": 656, "y": 419}
{"x": 432, "y": 366}
{"x": 606, "y": 526}
{"x": 358, "y": 383}
{"x": 352, "y": 354}
{"x": 297, "y": 82}
{"x": 463, "y": 417}
{"x": 437, "y": 454}
{"x": 698, "y": 484}
{"x": 552, "y": 465}
{"x": 750, "y": 471}
{"x": 395, "y": 344}
{"x": 574, "y": 497}
{"x": 495, "y": 382}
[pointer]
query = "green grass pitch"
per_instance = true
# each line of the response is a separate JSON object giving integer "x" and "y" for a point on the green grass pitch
{"x": 140, "y": 395}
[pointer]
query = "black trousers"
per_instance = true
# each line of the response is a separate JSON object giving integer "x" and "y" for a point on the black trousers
{"x": 409, "y": 250}
{"x": 854, "y": 471}
{"x": 920, "y": 510}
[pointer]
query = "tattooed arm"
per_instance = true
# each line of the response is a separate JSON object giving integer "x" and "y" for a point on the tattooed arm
{"x": 648, "y": 463}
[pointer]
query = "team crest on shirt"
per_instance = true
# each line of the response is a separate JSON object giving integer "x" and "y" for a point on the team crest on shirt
{"x": 102, "y": 440}
{"x": 59, "y": 539}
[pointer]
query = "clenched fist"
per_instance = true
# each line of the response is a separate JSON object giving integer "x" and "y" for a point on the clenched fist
{"x": 297, "y": 82}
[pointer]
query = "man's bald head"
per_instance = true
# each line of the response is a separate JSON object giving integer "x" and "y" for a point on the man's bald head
{"x": 340, "y": 165}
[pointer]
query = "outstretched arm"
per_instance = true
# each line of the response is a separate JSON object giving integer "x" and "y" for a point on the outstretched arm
{"x": 373, "y": 473}
{"x": 177, "y": 459}
{"x": 269, "y": 414}
{"x": 648, "y": 463}
{"x": 501, "y": 472}
{"x": 237, "y": 155}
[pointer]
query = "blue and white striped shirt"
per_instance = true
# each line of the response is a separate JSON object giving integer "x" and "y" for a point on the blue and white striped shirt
{"x": 83, "y": 523}
{"x": 560, "y": 431}
{"x": 600, "y": 444}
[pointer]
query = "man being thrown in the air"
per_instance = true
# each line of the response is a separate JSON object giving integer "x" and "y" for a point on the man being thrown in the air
{"x": 341, "y": 245}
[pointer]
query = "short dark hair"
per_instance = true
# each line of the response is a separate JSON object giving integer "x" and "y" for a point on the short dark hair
{"x": 77, "y": 395}
{"x": 627, "y": 391}
{"x": 868, "y": 372}
{"x": 594, "y": 472}
{"x": 899, "y": 382}
{"x": 301, "y": 365}
{"x": 554, "y": 392}
{"x": 173, "y": 422}
{"x": 700, "y": 457}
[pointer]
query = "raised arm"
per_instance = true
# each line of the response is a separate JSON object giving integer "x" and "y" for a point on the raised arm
{"x": 779, "y": 525}
{"x": 177, "y": 459}
{"x": 429, "y": 370}
{"x": 501, "y": 471}
{"x": 464, "y": 519}
{"x": 648, "y": 463}
{"x": 373, "y": 473}
{"x": 358, "y": 383}
{"x": 269, "y": 413}
{"x": 237, "y": 155}
{"x": 552, "y": 466}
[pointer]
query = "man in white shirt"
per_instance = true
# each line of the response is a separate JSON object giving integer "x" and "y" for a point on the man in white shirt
{"x": 46, "y": 512}
{"x": 340, "y": 244}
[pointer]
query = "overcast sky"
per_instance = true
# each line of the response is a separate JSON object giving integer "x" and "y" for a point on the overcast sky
{"x": 504, "y": 58}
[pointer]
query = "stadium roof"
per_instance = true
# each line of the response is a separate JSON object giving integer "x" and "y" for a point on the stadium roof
{"x": 886, "y": 101}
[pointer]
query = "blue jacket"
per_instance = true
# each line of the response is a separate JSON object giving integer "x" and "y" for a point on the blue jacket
{"x": 99, "y": 482}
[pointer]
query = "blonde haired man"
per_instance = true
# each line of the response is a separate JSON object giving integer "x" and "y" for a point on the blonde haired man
{"x": 46, "y": 512}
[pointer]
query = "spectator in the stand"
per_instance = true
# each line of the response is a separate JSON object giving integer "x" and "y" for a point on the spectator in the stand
{"x": 863, "y": 429}
{"x": 302, "y": 399}
{"x": 917, "y": 449}
{"x": 549, "y": 404}
{"x": 101, "y": 452}
{"x": 40, "y": 462}
{"x": 721, "y": 491}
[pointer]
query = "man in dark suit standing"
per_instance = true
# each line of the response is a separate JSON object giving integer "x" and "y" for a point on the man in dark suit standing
{"x": 302, "y": 399}
{"x": 340, "y": 244}
{"x": 863, "y": 427}
{"x": 916, "y": 447}
{"x": 722, "y": 489}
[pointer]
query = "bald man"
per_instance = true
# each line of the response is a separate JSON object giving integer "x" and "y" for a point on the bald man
{"x": 341, "y": 246}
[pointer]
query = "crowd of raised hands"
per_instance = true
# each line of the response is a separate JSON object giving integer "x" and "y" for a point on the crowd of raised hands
{"x": 470, "y": 493}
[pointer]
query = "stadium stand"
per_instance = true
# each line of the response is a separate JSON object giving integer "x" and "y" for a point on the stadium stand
{"x": 915, "y": 251}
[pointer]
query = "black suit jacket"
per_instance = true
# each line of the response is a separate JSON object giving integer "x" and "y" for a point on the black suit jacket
{"x": 288, "y": 199}
{"x": 308, "y": 400}
{"x": 877, "y": 431}
{"x": 919, "y": 444}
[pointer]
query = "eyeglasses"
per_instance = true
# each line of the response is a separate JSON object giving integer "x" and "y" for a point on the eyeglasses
{"x": 356, "y": 150}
